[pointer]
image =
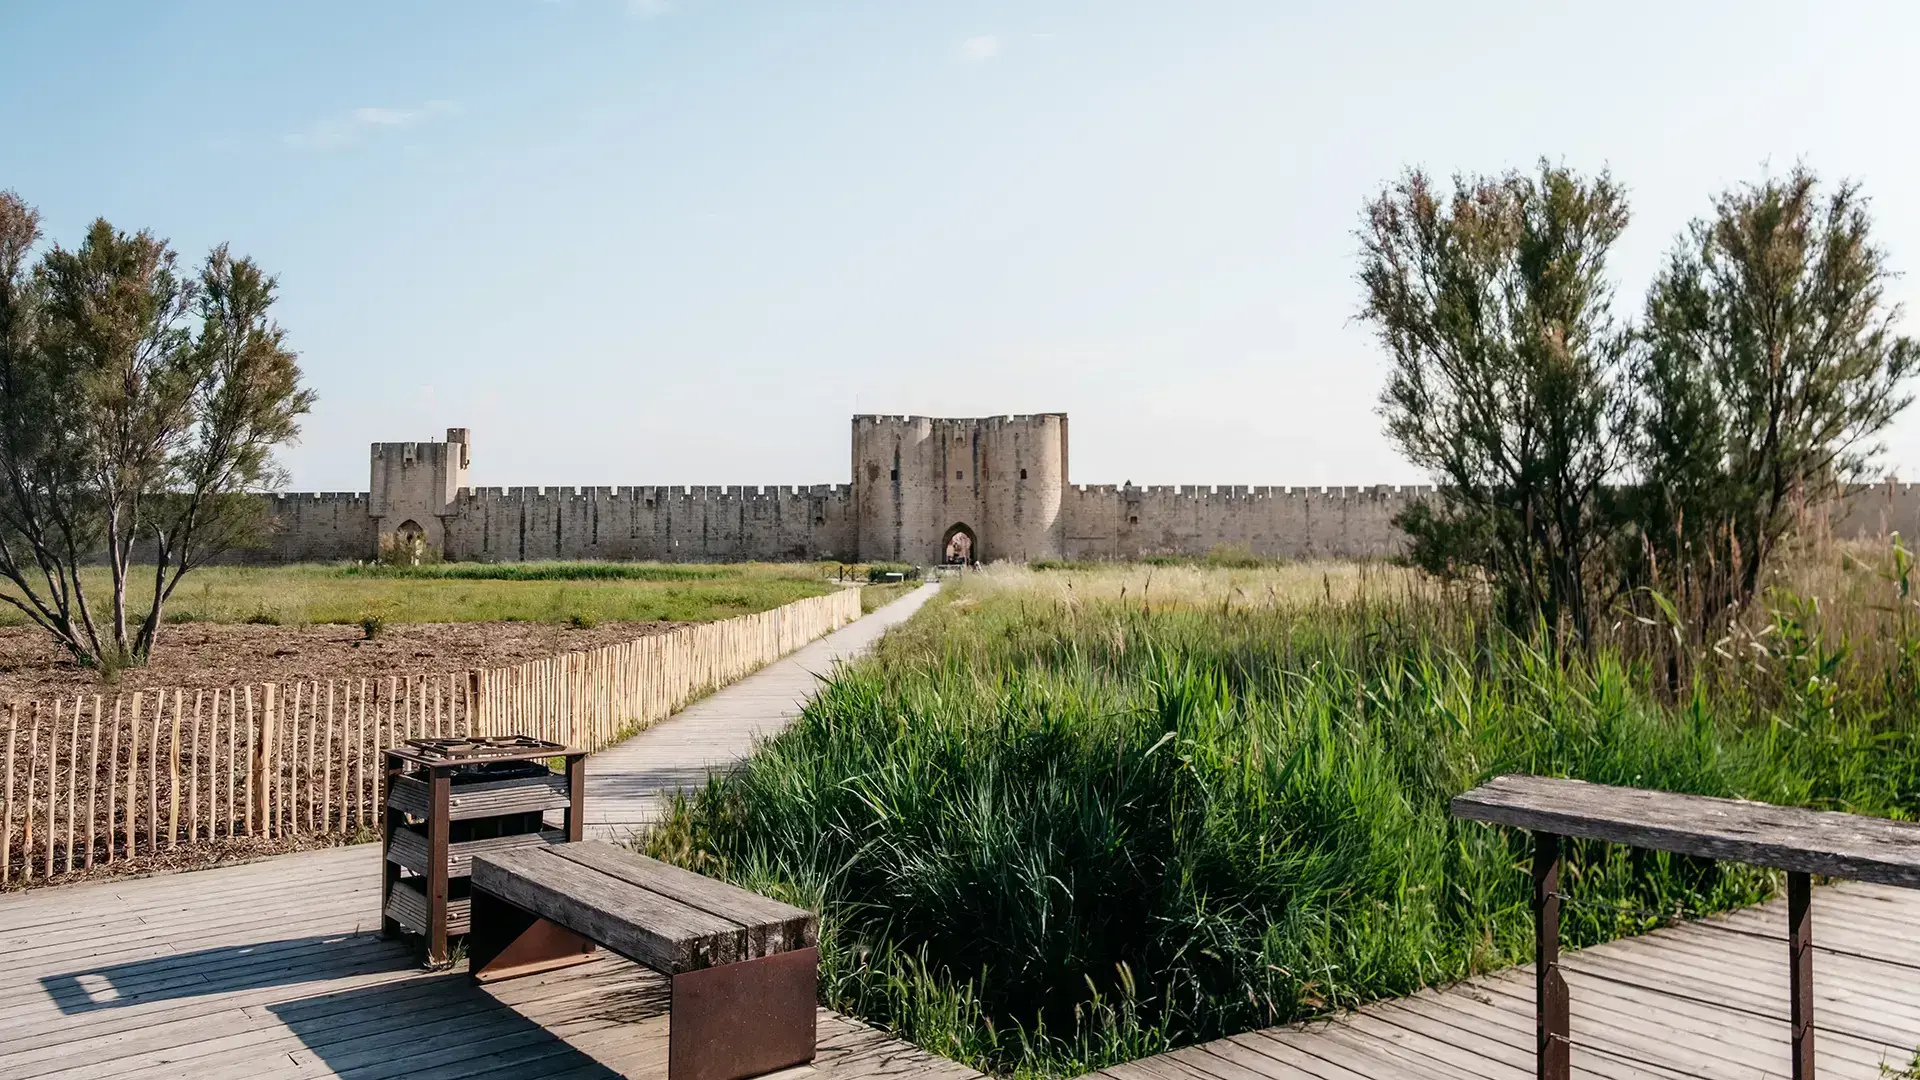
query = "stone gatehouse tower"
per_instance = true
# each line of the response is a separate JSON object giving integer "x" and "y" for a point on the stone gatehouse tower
{"x": 415, "y": 487}
{"x": 926, "y": 490}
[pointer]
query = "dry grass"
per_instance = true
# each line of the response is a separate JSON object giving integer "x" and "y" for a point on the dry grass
{"x": 1281, "y": 585}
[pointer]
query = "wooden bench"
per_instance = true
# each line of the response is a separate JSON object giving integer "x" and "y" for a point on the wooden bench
{"x": 1801, "y": 842}
{"x": 743, "y": 967}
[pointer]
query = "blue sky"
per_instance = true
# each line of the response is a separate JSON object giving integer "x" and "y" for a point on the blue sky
{"x": 681, "y": 241}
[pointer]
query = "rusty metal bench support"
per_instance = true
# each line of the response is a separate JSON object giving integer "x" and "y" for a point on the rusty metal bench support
{"x": 743, "y": 1019}
{"x": 726, "y": 1022}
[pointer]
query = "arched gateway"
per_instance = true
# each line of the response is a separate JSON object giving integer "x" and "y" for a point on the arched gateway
{"x": 958, "y": 549}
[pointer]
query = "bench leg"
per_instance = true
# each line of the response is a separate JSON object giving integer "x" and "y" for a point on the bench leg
{"x": 1552, "y": 1032}
{"x": 1800, "y": 970}
{"x": 740, "y": 1020}
{"x": 504, "y": 941}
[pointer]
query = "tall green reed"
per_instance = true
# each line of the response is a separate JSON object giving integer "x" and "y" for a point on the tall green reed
{"x": 1048, "y": 836}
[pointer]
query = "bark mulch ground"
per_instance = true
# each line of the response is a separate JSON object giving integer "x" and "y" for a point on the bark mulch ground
{"x": 208, "y": 655}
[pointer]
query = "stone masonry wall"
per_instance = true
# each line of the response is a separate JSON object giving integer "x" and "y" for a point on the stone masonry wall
{"x": 1109, "y": 522}
{"x": 317, "y": 527}
{"x": 916, "y": 481}
{"x": 672, "y": 524}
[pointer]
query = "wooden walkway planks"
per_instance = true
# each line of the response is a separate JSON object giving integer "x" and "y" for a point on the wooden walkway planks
{"x": 276, "y": 968}
{"x": 628, "y": 785}
{"x": 1706, "y": 999}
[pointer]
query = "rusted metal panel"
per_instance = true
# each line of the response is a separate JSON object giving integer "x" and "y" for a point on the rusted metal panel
{"x": 741, "y": 1020}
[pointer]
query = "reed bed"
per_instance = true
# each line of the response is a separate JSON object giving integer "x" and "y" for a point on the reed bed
{"x": 1062, "y": 819}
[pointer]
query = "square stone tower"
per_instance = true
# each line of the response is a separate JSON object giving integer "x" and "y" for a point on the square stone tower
{"x": 414, "y": 486}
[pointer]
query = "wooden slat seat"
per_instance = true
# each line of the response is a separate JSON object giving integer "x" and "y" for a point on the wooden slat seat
{"x": 743, "y": 966}
{"x": 1761, "y": 834}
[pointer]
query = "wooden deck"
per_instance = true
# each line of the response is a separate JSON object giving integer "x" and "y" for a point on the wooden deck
{"x": 1706, "y": 999}
{"x": 276, "y": 968}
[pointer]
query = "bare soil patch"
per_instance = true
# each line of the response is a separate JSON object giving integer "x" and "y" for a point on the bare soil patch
{"x": 208, "y": 655}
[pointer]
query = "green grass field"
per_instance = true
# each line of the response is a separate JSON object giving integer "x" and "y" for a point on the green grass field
{"x": 477, "y": 592}
{"x": 1062, "y": 819}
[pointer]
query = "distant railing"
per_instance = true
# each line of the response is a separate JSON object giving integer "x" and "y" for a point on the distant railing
{"x": 92, "y": 779}
{"x": 1800, "y": 842}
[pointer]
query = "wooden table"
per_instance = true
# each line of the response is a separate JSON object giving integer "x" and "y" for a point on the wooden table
{"x": 1801, "y": 842}
{"x": 744, "y": 968}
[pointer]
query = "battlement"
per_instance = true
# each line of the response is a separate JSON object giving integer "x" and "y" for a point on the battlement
{"x": 654, "y": 493}
{"x": 875, "y": 419}
{"x": 1251, "y": 491}
{"x": 286, "y": 498}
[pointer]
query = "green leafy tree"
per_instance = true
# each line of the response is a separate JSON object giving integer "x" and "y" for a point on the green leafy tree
{"x": 139, "y": 411}
{"x": 1770, "y": 366}
{"x": 1494, "y": 305}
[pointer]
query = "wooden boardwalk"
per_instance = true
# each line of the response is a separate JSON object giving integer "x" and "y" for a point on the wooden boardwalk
{"x": 628, "y": 784}
{"x": 1706, "y": 999}
{"x": 276, "y": 968}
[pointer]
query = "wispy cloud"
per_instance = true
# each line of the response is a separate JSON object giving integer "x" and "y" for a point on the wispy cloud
{"x": 648, "y": 9}
{"x": 347, "y": 128}
{"x": 979, "y": 50}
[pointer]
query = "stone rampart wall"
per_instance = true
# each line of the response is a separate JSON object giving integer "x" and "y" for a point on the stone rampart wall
{"x": 673, "y": 524}
{"x": 1105, "y": 521}
{"x": 719, "y": 524}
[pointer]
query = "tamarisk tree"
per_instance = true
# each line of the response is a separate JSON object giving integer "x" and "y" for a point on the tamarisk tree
{"x": 1493, "y": 303}
{"x": 139, "y": 410}
{"x": 1771, "y": 366}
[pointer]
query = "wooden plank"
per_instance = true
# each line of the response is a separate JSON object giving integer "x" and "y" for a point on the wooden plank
{"x": 1761, "y": 834}
{"x": 772, "y": 927}
{"x": 643, "y": 926}
{"x": 407, "y": 905}
{"x": 409, "y": 849}
{"x": 488, "y": 799}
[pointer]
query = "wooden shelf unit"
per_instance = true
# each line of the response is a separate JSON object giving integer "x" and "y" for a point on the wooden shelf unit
{"x": 448, "y": 800}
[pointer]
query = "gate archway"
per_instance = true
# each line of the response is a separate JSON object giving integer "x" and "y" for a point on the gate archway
{"x": 960, "y": 547}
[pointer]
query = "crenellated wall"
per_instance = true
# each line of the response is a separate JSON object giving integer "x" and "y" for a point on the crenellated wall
{"x": 917, "y": 481}
{"x": 1109, "y": 522}
{"x": 324, "y": 526}
{"x": 683, "y": 524}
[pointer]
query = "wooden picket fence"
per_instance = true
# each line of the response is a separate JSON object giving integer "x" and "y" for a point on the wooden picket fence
{"x": 92, "y": 778}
